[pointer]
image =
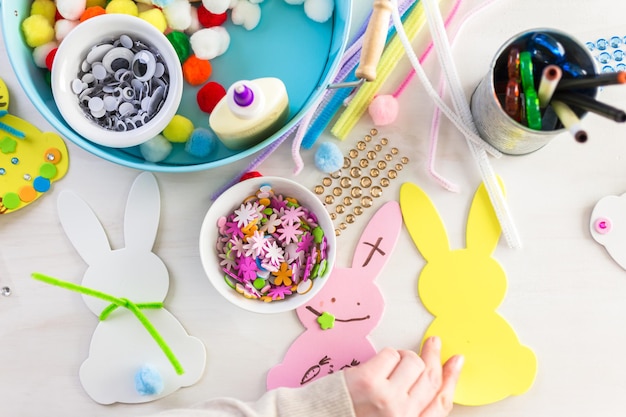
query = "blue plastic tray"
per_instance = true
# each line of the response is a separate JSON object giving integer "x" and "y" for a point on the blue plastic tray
{"x": 286, "y": 44}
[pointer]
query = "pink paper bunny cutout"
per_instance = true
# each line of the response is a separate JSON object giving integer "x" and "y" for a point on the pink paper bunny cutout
{"x": 339, "y": 319}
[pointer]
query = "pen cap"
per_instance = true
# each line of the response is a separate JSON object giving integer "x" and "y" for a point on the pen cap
{"x": 491, "y": 107}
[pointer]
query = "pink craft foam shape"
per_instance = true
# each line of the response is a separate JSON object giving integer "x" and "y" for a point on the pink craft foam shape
{"x": 355, "y": 302}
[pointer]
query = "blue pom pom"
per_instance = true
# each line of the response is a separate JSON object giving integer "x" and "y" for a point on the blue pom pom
{"x": 148, "y": 381}
{"x": 162, "y": 3}
{"x": 156, "y": 149}
{"x": 328, "y": 157}
{"x": 201, "y": 143}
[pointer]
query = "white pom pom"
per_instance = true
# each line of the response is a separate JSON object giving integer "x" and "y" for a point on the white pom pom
{"x": 41, "y": 52}
{"x": 195, "y": 23}
{"x": 210, "y": 42}
{"x": 216, "y": 6}
{"x": 62, "y": 27}
{"x": 71, "y": 9}
{"x": 319, "y": 10}
{"x": 178, "y": 14}
{"x": 246, "y": 14}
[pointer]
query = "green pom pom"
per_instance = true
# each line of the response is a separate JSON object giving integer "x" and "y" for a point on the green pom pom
{"x": 181, "y": 44}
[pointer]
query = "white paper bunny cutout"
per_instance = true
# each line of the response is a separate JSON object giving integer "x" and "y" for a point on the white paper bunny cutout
{"x": 340, "y": 317}
{"x": 607, "y": 226}
{"x": 121, "y": 345}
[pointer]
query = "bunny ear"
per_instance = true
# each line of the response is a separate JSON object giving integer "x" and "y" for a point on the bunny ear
{"x": 143, "y": 209}
{"x": 423, "y": 222}
{"x": 483, "y": 228}
{"x": 82, "y": 227}
{"x": 378, "y": 239}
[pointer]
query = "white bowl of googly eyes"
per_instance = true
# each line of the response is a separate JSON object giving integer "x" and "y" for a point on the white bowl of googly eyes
{"x": 116, "y": 80}
{"x": 267, "y": 245}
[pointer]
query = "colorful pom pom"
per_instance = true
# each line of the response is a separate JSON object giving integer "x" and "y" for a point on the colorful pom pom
{"x": 210, "y": 42}
{"x": 246, "y": 14}
{"x": 180, "y": 42}
{"x": 196, "y": 71}
{"x": 216, "y": 6}
{"x": 37, "y": 30}
{"x": 71, "y": 9}
{"x": 50, "y": 58}
{"x": 92, "y": 11}
{"x": 46, "y": 8}
{"x": 179, "y": 129}
{"x": 195, "y": 23}
{"x": 155, "y": 17}
{"x": 94, "y": 3}
{"x": 62, "y": 27}
{"x": 383, "y": 110}
{"x": 328, "y": 157}
{"x": 162, "y": 3}
{"x": 156, "y": 149}
{"x": 250, "y": 174}
{"x": 148, "y": 381}
{"x": 319, "y": 10}
{"x": 178, "y": 14}
{"x": 201, "y": 143}
{"x": 208, "y": 19}
{"x": 123, "y": 7}
{"x": 209, "y": 95}
{"x": 40, "y": 53}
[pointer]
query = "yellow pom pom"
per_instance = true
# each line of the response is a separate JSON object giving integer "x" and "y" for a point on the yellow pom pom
{"x": 155, "y": 17}
{"x": 46, "y": 8}
{"x": 37, "y": 30}
{"x": 123, "y": 7}
{"x": 179, "y": 130}
{"x": 94, "y": 3}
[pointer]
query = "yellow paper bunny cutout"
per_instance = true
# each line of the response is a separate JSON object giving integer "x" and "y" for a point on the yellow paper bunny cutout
{"x": 463, "y": 288}
{"x": 30, "y": 160}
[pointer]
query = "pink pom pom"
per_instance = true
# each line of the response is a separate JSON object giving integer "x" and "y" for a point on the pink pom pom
{"x": 383, "y": 110}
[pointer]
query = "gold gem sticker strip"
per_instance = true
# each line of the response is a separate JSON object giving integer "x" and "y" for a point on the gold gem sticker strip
{"x": 368, "y": 169}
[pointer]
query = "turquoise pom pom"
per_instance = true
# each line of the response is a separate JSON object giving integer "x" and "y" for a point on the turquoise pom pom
{"x": 201, "y": 143}
{"x": 328, "y": 157}
{"x": 156, "y": 149}
{"x": 148, "y": 381}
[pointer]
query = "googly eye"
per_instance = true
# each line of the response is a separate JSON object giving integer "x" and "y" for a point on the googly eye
{"x": 117, "y": 58}
{"x": 144, "y": 65}
{"x": 602, "y": 225}
{"x": 97, "y": 53}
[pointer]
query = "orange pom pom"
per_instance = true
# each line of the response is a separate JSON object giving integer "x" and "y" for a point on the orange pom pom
{"x": 92, "y": 11}
{"x": 196, "y": 71}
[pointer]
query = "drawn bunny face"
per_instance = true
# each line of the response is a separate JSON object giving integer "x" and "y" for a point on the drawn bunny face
{"x": 339, "y": 319}
{"x": 352, "y": 297}
{"x": 132, "y": 272}
{"x": 355, "y": 304}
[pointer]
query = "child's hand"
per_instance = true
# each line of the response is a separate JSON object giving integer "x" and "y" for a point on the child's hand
{"x": 398, "y": 383}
